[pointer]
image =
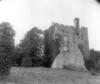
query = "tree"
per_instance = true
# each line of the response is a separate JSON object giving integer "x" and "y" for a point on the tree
{"x": 95, "y": 57}
{"x": 17, "y": 57}
{"x": 51, "y": 46}
{"x": 93, "y": 63}
{"x": 6, "y": 47}
{"x": 32, "y": 45}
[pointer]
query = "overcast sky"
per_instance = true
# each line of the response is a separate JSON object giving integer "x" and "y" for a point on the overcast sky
{"x": 25, "y": 14}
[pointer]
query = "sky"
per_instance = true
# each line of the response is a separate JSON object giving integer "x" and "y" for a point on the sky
{"x": 25, "y": 14}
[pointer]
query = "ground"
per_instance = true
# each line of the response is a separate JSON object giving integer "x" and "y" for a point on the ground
{"x": 49, "y": 76}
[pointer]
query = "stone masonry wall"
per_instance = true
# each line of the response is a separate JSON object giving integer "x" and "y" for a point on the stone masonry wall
{"x": 70, "y": 39}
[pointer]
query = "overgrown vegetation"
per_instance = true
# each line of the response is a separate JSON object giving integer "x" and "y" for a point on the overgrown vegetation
{"x": 6, "y": 47}
{"x": 94, "y": 61}
{"x": 51, "y": 47}
{"x": 30, "y": 49}
{"x": 34, "y": 50}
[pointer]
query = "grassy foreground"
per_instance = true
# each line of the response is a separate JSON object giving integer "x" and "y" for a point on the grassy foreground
{"x": 48, "y": 76}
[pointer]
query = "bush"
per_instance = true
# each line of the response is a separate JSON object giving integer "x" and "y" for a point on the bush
{"x": 4, "y": 69}
{"x": 5, "y": 64}
{"x": 26, "y": 62}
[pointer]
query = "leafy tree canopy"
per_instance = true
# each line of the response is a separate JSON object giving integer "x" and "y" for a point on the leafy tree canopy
{"x": 32, "y": 45}
{"x": 6, "y": 46}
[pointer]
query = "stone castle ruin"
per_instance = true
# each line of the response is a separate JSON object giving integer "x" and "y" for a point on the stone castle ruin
{"x": 68, "y": 45}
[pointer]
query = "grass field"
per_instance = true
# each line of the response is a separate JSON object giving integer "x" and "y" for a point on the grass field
{"x": 49, "y": 76}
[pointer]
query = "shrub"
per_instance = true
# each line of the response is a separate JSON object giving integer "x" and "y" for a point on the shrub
{"x": 5, "y": 64}
{"x": 26, "y": 62}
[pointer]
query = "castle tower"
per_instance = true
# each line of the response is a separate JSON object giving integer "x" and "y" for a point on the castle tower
{"x": 72, "y": 45}
{"x": 76, "y": 25}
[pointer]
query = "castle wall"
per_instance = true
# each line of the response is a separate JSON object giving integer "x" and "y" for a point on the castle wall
{"x": 70, "y": 40}
{"x": 51, "y": 46}
{"x": 85, "y": 41}
{"x": 67, "y": 45}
